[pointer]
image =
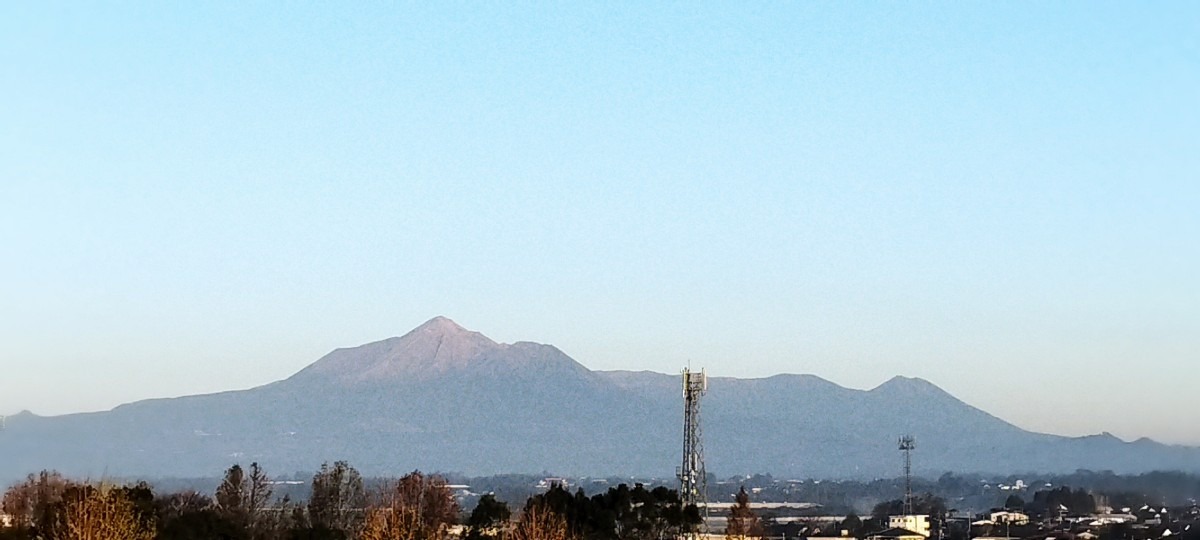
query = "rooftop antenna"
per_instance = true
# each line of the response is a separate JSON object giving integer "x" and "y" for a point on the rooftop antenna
{"x": 693, "y": 482}
{"x": 907, "y": 444}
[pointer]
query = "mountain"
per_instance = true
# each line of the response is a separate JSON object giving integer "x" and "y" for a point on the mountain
{"x": 437, "y": 349}
{"x": 448, "y": 399}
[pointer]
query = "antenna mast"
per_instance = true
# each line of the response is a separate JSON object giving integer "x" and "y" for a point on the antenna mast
{"x": 907, "y": 444}
{"x": 693, "y": 488}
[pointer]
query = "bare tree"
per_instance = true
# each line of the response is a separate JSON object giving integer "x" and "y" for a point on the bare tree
{"x": 388, "y": 523}
{"x": 415, "y": 508}
{"x": 100, "y": 513}
{"x": 743, "y": 521}
{"x": 31, "y": 503}
{"x": 337, "y": 499}
{"x": 176, "y": 505}
{"x": 245, "y": 499}
{"x": 537, "y": 522}
{"x": 260, "y": 490}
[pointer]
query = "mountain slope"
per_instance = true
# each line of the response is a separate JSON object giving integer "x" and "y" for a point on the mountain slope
{"x": 444, "y": 398}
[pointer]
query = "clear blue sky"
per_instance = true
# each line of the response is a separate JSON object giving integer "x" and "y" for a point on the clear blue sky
{"x": 999, "y": 197}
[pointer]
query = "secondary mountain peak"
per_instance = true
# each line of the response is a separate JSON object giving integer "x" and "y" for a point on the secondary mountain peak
{"x": 911, "y": 388}
{"x": 900, "y": 382}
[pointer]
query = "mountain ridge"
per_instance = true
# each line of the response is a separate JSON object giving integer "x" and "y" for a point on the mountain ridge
{"x": 442, "y": 397}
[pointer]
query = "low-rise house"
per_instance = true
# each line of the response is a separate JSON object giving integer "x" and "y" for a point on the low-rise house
{"x": 845, "y": 535}
{"x": 1100, "y": 520}
{"x": 1009, "y": 518}
{"x": 896, "y": 533}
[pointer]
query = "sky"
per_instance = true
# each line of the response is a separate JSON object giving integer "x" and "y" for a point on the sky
{"x": 1001, "y": 198}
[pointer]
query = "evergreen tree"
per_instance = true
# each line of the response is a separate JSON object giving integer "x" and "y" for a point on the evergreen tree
{"x": 488, "y": 516}
{"x": 231, "y": 494}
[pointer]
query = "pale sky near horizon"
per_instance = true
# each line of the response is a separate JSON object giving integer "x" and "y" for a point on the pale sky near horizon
{"x": 1001, "y": 198}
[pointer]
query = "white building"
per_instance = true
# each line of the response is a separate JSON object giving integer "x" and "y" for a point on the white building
{"x": 1010, "y": 518}
{"x": 914, "y": 523}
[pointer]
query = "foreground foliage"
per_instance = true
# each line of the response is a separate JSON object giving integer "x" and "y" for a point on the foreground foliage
{"x": 48, "y": 506}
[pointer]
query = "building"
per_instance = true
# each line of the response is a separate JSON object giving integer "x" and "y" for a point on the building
{"x": 895, "y": 533}
{"x": 1009, "y": 518}
{"x": 911, "y": 523}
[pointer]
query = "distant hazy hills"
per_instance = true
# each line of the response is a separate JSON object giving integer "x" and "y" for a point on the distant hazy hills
{"x": 442, "y": 398}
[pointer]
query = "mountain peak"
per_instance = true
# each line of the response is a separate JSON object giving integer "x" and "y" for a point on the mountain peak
{"x": 434, "y": 349}
{"x": 441, "y": 325}
{"x": 445, "y": 331}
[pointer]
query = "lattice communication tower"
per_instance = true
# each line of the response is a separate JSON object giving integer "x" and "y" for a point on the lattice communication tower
{"x": 692, "y": 481}
{"x": 907, "y": 444}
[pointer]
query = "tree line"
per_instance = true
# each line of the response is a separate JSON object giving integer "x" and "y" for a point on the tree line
{"x": 49, "y": 506}
{"x": 842, "y": 497}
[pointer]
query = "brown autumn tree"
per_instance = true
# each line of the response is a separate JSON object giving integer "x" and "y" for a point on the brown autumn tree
{"x": 743, "y": 522}
{"x": 100, "y": 513}
{"x": 387, "y": 523}
{"x": 416, "y": 507}
{"x": 537, "y": 522}
{"x": 32, "y": 503}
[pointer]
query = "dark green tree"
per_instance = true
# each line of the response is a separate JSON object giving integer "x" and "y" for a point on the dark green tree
{"x": 621, "y": 513}
{"x": 202, "y": 524}
{"x": 927, "y": 504}
{"x": 852, "y": 524}
{"x": 231, "y": 494}
{"x": 488, "y": 517}
{"x": 1076, "y": 502}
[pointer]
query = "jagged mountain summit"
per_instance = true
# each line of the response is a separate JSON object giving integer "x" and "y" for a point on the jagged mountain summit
{"x": 444, "y": 398}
